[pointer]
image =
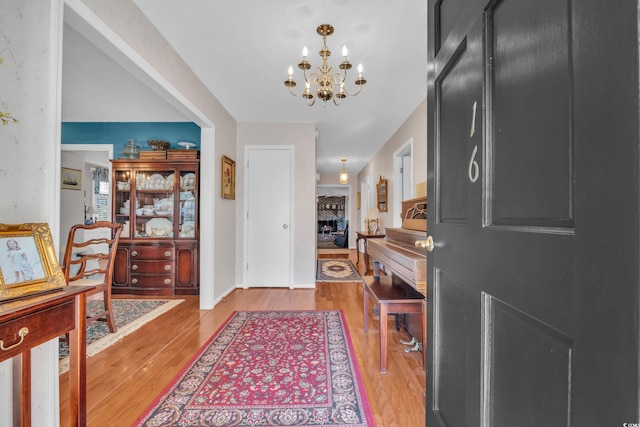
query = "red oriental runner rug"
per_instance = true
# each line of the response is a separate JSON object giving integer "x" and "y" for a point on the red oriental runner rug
{"x": 269, "y": 368}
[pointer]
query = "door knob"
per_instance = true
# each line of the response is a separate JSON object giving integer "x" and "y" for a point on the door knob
{"x": 285, "y": 226}
{"x": 425, "y": 244}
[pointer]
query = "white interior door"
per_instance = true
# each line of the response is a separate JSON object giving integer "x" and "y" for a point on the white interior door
{"x": 269, "y": 212}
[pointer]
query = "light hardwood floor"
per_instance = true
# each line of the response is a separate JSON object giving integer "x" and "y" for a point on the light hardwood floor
{"x": 124, "y": 379}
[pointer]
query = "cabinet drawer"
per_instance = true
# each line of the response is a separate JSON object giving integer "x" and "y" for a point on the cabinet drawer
{"x": 40, "y": 327}
{"x": 152, "y": 267}
{"x": 157, "y": 281}
{"x": 151, "y": 252}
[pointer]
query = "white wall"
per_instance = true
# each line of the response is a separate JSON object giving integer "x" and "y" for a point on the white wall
{"x": 382, "y": 163}
{"x": 302, "y": 137}
{"x": 27, "y": 178}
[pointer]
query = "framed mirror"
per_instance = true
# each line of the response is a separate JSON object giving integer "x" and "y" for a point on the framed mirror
{"x": 381, "y": 194}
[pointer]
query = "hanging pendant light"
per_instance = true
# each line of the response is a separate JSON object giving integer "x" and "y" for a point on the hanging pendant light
{"x": 344, "y": 175}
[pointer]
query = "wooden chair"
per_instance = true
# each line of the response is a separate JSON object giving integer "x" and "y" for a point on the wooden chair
{"x": 88, "y": 261}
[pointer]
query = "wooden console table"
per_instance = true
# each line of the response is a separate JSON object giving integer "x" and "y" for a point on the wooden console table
{"x": 363, "y": 235}
{"x": 27, "y": 323}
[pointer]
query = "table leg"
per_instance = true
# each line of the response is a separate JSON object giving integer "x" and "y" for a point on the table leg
{"x": 383, "y": 338}
{"x": 366, "y": 306}
{"x": 22, "y": 389}
{"x": 78, "y": 364}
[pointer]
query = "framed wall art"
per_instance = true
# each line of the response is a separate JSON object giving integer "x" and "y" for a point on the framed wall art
{"x": 228, "y": 178}
{"x": 71, "y": 179}
{"x": 28, "y": 261}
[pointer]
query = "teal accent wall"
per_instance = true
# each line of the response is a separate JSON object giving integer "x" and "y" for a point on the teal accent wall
{"x": 119, "y": 134}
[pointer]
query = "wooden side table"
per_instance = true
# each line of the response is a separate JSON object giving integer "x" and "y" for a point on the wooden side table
{"x": 363, "y": 235}
{"x": 27, "y": 323}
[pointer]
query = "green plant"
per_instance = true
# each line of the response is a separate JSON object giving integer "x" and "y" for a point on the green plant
{"x": 6, "y": 118}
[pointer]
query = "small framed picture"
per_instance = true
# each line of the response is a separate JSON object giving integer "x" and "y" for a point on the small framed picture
{"x": 71, "y": 179}
{"x": 228, "y": 178}
{"x": 28, "y": 262}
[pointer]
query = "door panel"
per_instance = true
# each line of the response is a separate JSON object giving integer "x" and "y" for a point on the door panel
{"x": 533, "y": 284}
{"x": 454, "y": 113}
{"x": 529, "y": 118}
{"x": 447, "y": 12}
{"x": 449, "y": 373}
{"x": 527, "y": 367}
{"x": 269, "y": 218}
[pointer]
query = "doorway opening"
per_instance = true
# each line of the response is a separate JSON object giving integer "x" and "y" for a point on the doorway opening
{"x": 402, "y": 178}
{"x": 332, "y": 222}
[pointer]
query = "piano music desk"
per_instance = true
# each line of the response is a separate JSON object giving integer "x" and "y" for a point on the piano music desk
{"x": 392, "y": 295}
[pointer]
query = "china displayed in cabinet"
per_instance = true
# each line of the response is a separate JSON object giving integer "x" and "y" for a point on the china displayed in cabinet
{"x": 156, "y": 201}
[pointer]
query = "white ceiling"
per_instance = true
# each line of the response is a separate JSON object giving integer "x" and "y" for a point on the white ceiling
{"x": 241, "y": 51}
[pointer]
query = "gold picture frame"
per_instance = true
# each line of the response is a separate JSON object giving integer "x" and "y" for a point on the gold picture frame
{"x": 228, "y": 178}
{"x": 71, "y": 179}
{"x": 381, "y": 194}
{"x": 28, "y": 261}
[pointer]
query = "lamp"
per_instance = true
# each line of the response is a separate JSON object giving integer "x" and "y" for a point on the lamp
{"x": 344, "y": 175}
{"x": 325, "y": 81}
{"x": 372, "y": 221}
{"x": 90, "y": 215}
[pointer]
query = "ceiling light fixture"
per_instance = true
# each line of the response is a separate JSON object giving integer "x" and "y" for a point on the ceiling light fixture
{"x": 326, "y": 82}
{"x": 344, "y": 175}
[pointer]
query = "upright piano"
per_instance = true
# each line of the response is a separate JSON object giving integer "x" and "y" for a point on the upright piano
{"x": 398, "y": 255}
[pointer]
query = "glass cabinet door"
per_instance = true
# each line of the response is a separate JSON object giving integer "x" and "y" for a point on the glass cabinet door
{"x": 188, "y": 204}
{"x": 122, "y": 201}
{"x": 154, "y": 205}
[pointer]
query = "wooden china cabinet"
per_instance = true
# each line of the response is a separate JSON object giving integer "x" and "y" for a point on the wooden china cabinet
{"x": 156, "y": 201}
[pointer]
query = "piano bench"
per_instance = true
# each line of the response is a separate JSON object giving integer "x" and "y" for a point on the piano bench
{"x": 392, "y": 295}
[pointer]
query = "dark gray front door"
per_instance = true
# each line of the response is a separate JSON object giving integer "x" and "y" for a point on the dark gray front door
{"x": 533, "y": 205}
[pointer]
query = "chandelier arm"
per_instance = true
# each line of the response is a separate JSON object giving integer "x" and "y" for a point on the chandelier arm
{"x": 296, "y": 94}
{"x": 315, "y": 77}
{"x": 353, "y": 93}
{"x": 337, "y": 78}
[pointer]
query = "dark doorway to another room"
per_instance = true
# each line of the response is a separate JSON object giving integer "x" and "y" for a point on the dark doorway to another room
{"x": 332, "y": 227}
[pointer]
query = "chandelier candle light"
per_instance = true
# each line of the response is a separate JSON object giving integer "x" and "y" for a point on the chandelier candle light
{"x": 326, "y": 82}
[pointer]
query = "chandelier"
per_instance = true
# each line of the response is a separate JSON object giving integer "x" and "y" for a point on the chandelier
{"x": 326, "y": 82}
{"x": 344, "y": 175}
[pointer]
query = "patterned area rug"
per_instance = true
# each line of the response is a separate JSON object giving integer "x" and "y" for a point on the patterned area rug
{"x": 336, "y": 270}
{"x": 129, "y": 315}
{"x": 269, "y": 368}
